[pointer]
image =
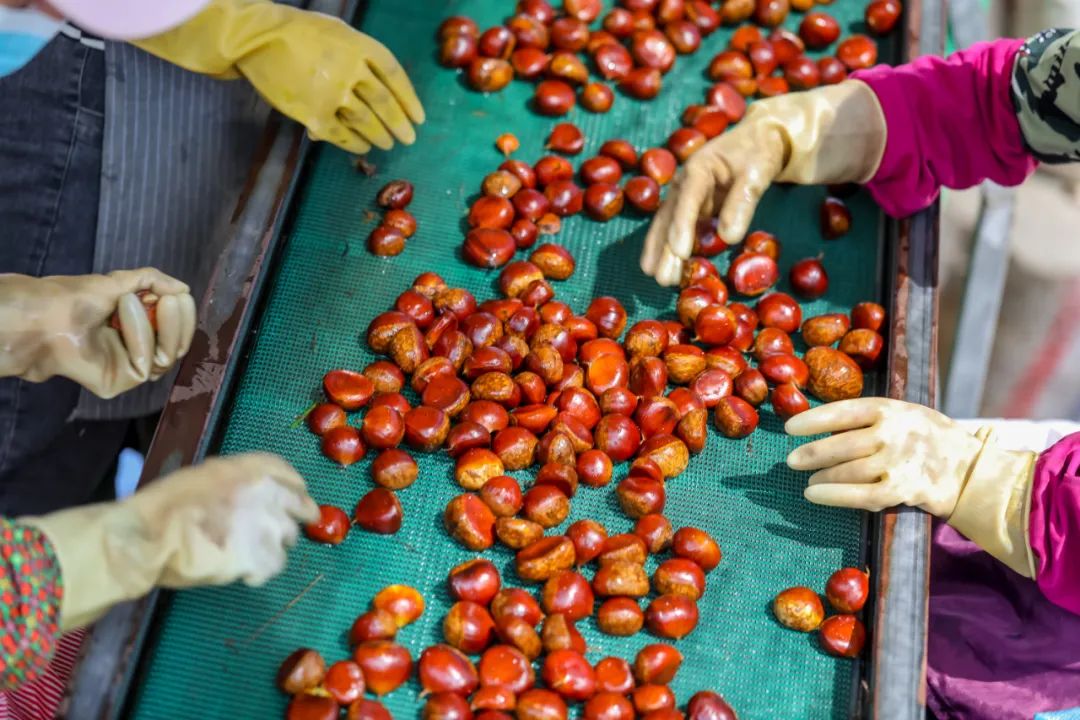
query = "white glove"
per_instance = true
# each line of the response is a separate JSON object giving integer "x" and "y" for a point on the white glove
{"x": 831, "y": 134}
{"x": 60, "y": 325}
{"x": 227, "y": 519}
{"x": 888, "y": 453}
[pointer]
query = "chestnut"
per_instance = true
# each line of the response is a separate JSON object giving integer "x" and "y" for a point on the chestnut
{"x": 519, "y": 634}
{"x": 515, "y": 602}
{"x": 489, "y": 74}
{"x": 516, "y": 533}
{"x": 684, "y": 362}
{"x": 684, "y": 142}
{"x": 506, "y": 667}
{"x": 655, "y": 531}
{"x": 553, "y": 97}
{"x": 375, "y": 624}
{"x": 539, "y": 9}
{"x": 386, "y": 241}
{"x": 819, "y": 30}
{"x": 679, "y": 576}
{"x": 603, "y": 201}
{"x": 443, "y": 668}
{"x": 802, "y": 73}
{"x": 683, "y": 35}
{"x": 658, "y": 164}
{"x": 331, "y": 527}
{"x": 703, "y": 16}
{"x": 779, "y": 369}
{"x": 657, "y": 664}
{"x": 325, "y": 417}
{"x": 613, "y": 675}
{"x": 847, "y": 589}
{"x": 301, "y": 671}
{"x": 668, "y": 452}
{"x": 857, "y": 52}
{"x": 833, "y": 374}
{"x": 568, "y": 33}
{"x": 507, "y": 143}
{"x": 832, "y": 71}
{"x": 750, "y": 385}
{"x": 446, "y": 706}
{"x": 618, "y": 437}
{"x": 497, "y": 42}
{"x": 395, "y": 195}
{"x": 639, "y": 496}
{"x": 468, "y": 627}
{"x": 540, "y": 704}
{"x": 715, "y": 325}
{"x": 523, "y": 171}
{"x": 566, "y": 66}
{"x": 652, "y": 49}
{"x": 753, "y": 273}
{"x": 545, "y": 557}
{"x": 386, "y": 665}
{"x": 724, "y": 97}
{"x": 594, "y": 468}
{"x": 708, "y": 705}
{"x": 426, "y": 428}
{"x": 772, "y": 341}
{"x": 607, "y": 706}
{"x": 842, "y": 636}
{"x": 671, "y": 616}
{"x": 643, "y": 193}
{"x": 491, "y": 416}
{"x": 554, "y": 261}
{"x": 555, "y": 448}
{"x": 863, "y": 345}
{"x": 584, "y": 10}
{"x": 567, "y": 593}
{"x": 727, "y": 358}
{"x": 515, "y": 446}
{"x": 779, "y": 310}
{"x": 496, "y": 213}
{"x": 565, "y": 138}
{"x": 613, "y": 61}
{"x": 772, "y": 86}
{"x": 379, "y": 511}
{"x": 601, "y": 169}
{"x": 343, "y": 445}
{"x": 458, "y": 25}
{"x": 403, "y": 602}
{"x": 470, "y": 522}
{"x": 621, "y": 579}
{"x": 597, "y": 97}
{"x": 799, "y": 608}
{"x": 312, "y": 707}
{"x": 652, "y": 699}
{"x": 386, "y": 378}
{"x": 622, "y": 152}
{"x": 788, "y": 400}
{"x": 656, "y": 415}
{"x": 642, "y": 83}
{"x": 588, "y": 537}
{"x": 619, "y": 616}
{"x": 868, "y": 315}
{"x": 825, "y": 329}
{"x": 881, "y": 16}
{"x": 710, "y": 123}
{"x": 697, "y": 545}
{"x": 546, "y": 505}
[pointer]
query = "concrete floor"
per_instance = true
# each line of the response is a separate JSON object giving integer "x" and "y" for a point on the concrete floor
{"x": 1035, "y": 364}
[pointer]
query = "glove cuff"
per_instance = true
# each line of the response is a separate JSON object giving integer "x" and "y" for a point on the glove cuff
{"x": 101, "y": 558}
{"x": 994, "y": 505}
{"x": 833, "y": 134}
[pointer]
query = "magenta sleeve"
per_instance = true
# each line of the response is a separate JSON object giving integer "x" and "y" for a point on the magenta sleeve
{"x": 950, "y": 122}
{"x": 1055, "y": 523}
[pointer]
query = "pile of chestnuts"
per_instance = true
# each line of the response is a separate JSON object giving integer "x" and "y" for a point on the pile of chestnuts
{"x": 843, "y": 634}
{"x": 398, "y": 224}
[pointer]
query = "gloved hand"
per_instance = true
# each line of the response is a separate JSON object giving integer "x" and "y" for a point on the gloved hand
{"x": 344, "y": 86}
{"x": 59, "y": 325}
{"x": 888, "y": 453}
{"x": 829, "y": 135}
{"x": 228, "y": 519}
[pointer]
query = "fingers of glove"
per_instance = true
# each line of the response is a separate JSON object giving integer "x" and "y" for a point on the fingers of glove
{"x": 339, "y": 135}
{"x": 741, "y": 202}
{"x": 656, "y": 238}
{"x": 147, "y": 278}
{"x": 835, "y": 449}
{"x": 695, "y": 191}
{"x": 836, "y": 417}
{"x": 873, "y": 497}
{"x": 669, "y": 269}
{"x": 138, "y": 336}
{"x": 382, "y": 101}
{"x": 188, "y": 319}
{"x": 862, "y": 471}
{"x": 169, "y": 329}
{"x": 357, "y": 116}
{"x": 267, "y": 560}
{"x": 386, "y": 67}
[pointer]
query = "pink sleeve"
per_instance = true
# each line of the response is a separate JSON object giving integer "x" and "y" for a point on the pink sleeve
{"x": 950, "y": 122}
{"x": 1055, "y": 523}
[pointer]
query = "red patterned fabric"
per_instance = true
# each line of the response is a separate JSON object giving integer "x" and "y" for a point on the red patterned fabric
{"x": 40, "y": 699}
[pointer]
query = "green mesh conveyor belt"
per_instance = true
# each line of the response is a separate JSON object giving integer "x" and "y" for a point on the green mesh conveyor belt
{"x": 218, "y": 649}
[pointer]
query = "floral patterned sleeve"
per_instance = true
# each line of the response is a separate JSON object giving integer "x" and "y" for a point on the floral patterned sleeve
{"x": 31, "y": 590}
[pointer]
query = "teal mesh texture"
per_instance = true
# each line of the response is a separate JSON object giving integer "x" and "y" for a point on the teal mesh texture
{"x": 218, "y": 649}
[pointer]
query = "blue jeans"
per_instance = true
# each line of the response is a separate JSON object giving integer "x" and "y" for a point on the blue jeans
{"x": 52, "y": 115}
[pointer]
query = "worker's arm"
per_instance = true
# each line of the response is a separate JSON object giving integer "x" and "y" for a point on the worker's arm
{"x": 990, "y": 112}
{"x": 341, "y": 84}
{"x": 1021, "y": 508}
{"x": 225, "y": 520}
{"x": 63, "y": 325}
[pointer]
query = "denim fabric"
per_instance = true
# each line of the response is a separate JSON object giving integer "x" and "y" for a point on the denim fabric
{"x": 51, "y": 124}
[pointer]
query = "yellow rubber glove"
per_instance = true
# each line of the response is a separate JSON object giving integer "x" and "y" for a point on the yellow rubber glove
{"x": 60, "y": 325}
{"x": 211, "y": 524}
{"x": 343, "y": 86}
{"x": 832, "y": 134}
{"x": 889, "y": 453}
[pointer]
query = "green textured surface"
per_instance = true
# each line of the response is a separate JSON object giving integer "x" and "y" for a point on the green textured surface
{"x": 218, "y": 649}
